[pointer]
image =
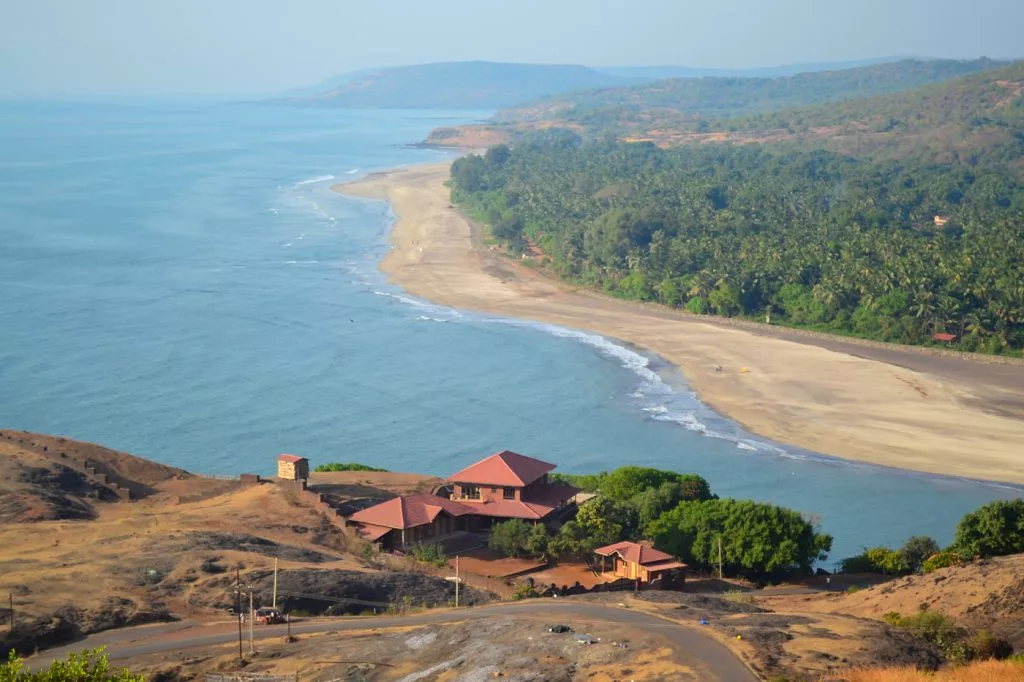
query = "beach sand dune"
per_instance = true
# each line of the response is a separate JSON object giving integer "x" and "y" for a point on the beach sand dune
{"x": 888, "y": 406}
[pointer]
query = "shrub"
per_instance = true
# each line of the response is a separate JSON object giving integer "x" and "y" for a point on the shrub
{"x": 90, "y": 665}
{"x": 509, "y": 537}
{"x": 211, "y": 566}
{"x": 943, "y": 559}
{"x": 345, "y": 466}
{"x": 985, "y": 646}
{"x": 430, "y": 554}
{"x": 523, "y": 591}
{"x": 916, "y": 550}
{"x": 876, "y": 560}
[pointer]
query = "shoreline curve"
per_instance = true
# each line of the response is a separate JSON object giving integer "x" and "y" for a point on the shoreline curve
{"x": 870, "y": 403}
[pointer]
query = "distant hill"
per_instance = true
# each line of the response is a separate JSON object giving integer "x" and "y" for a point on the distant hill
{"x": 666, "y": 72}
{"x": 718, "y": 97}
{"x": 455, "y": 85}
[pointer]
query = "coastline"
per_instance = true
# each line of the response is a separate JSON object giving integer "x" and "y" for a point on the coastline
{"x": 879, "y": 405}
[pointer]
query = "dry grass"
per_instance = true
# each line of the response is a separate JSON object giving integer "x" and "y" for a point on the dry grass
{"x": 984, "y": 671}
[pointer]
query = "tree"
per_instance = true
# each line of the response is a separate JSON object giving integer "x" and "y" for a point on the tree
{"x": 537, "y": 541}
{"x": 626, "y": 482}
{"x": 755, "y": 537}
{"x": 916, "y": 550}
{"x": 995, "y": 529}
{"x": 91, "y": 665}
{"x": 509, "y": 537}
{"x": 604, "y": 521}
{"x": 877, "y": 560}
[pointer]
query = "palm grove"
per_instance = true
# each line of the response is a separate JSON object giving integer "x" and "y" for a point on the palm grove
{"x": 837, "y": 232}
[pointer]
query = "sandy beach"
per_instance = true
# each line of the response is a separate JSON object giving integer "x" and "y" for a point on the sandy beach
{"x": 883, "y": 405}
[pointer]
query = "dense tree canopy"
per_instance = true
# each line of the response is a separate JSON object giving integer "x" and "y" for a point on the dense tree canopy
{"x": 85, "y": 666}
{"x": 993, "y": 530}
{"x": 811, "y": 238}
{"x": 757, "y": 538}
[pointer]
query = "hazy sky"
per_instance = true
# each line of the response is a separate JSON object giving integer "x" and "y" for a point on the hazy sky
{"x": 235, "y": 47}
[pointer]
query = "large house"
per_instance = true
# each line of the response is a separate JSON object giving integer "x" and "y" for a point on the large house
{"x": 503, "y": 486}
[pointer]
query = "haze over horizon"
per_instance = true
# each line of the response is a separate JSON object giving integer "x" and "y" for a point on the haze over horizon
{"x": 123, "y": 48}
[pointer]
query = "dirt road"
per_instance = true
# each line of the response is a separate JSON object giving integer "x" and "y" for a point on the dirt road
{"x": 712, "y": 658}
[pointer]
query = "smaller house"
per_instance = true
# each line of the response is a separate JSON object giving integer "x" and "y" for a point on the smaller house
{"x": 640, "y": 562}
{"x": 292, "y": 468}
{"x": 412, "y": 519}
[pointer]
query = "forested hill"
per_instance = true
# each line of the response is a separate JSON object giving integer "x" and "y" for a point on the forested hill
{"x": 457, "y": 85}
{"x": 889, "y": 250}
{"x": 676, "y": 101}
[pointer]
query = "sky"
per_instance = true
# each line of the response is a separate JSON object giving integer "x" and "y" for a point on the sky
{"x": 254, "y": 47}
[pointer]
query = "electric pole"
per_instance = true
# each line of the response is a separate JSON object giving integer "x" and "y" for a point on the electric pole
{"x": 719, "y": 557}
{"x": 274, "y": 605}
{"x": 252, "y": 624}
{"x": 238, "y": 609}
{"x": 456, "y": 587}
{"x": 10, "y": 624}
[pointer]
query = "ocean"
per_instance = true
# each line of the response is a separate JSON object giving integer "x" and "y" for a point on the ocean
{"x": 178, "y": 281}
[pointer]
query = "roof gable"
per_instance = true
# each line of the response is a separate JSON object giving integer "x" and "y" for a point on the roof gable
{"x": 635, "y": 552}
{"x": 505, "y": 468}
{"x": 294, "y": 459}
{"x": 409, "y": 511}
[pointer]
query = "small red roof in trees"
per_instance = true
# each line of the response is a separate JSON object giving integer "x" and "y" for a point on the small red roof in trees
{"x": 944, "y": 337}
{"x": 290, "y": 458}
{"x": 505, "y": 468}
{"x": 637, "y": 553}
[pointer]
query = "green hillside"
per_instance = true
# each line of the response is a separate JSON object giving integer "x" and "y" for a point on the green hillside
{"x": 893, "y": 218}
{"x": 681, "y": 102}
{"x": 457, "y": 85}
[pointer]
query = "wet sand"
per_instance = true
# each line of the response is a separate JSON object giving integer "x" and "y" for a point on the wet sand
{"x": 879, "y": 404}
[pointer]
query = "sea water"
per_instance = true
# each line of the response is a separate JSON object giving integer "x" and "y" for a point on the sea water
{"x": 178, "y": 281}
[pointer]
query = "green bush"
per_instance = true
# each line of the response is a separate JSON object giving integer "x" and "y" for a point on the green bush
{"x": 430, "y": 554}
{"x": 995, "y": 529}
{"x": 345, "y": 466}
{"x": 510, "y": 537}
{"x": 876, "y": 560}
{"x": 90, "y": 665}
{"x": 943, "y": 559}
{"x": 916, "y": 550}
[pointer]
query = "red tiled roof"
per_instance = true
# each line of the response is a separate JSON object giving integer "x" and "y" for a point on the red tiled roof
{"x": 505, "y": 468}
{"x": 542, "y": 501}
{"x": 409, "y": 511}
{"x": 370, "y": 532}
{"x": 636, "y": 553}
{"x": 944, "y": 337}
{"x": 290, "y": 458}
{"x": 665, "y": 566}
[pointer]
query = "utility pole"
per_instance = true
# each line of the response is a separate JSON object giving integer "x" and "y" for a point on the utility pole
{"x": 10, "y": 624}
{"x": 274, "y": 605}
{"x": 719, "y": 557}
{"x": 238, "y": 609}
{"x": 252, "y": 625}
{"x": 456, "y": 587}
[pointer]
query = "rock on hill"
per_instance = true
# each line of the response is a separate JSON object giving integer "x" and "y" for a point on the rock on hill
{"x": 456, "y": 85}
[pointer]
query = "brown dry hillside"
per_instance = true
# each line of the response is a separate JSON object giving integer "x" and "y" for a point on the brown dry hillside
{"x": 986, "y": 594}
{"x": 78, "y": 557}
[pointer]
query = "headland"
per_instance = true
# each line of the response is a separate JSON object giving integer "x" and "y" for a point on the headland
{"x": 883, "y": 405}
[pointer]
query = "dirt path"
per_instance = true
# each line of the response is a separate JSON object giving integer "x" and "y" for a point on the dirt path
{"x": 894, "y": 407}
{"x": 714, "y": 660}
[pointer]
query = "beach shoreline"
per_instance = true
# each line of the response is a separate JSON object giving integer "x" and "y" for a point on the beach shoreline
{"x": 842, "y": 398}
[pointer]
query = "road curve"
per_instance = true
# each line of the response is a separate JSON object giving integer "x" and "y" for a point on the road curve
{"x": 712, "y": 660}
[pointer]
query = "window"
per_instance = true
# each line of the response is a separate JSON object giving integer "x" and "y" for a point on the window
{"x": 471, "y": 492}
{"x": 510, "y": 493}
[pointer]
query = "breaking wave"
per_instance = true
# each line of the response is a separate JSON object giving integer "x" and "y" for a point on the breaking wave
{"x": 310, "y": 181}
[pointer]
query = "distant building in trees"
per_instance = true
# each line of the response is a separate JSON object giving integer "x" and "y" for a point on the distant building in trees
{"x": 941, "y": 220}
{"x": 292, "y": 468}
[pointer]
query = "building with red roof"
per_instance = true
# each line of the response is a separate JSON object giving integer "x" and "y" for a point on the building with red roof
{"x": 504, "y": 486}
{"x": 638, "y": 561}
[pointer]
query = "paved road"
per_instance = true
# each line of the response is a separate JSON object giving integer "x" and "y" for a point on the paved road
{"x": 712, "y": 659}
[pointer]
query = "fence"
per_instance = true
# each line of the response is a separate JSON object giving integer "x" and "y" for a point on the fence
{"x": 251, "y": 677}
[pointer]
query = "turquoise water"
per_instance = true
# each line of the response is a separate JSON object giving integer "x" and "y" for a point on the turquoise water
{"x": 179, "y": 282}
